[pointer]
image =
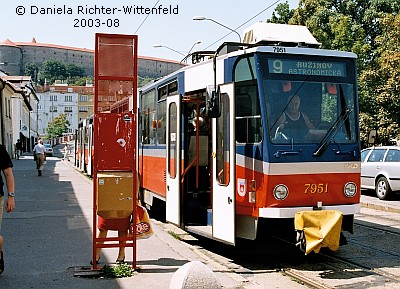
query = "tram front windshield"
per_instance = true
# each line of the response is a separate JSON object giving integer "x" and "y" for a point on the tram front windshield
{"x": 309, "y": 100}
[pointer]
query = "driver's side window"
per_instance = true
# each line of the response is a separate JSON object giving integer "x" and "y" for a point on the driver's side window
{"x": 248, "y": 113}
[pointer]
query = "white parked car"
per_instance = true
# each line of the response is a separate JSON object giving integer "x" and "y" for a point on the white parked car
{"x": 380, "y": 170}
{"x": 48, "y": 149}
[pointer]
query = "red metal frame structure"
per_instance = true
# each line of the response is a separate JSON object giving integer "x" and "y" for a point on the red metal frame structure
{"x": 114, "y": 130}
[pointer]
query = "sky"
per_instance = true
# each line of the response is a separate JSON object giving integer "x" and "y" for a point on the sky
{"x": 75, "y": 22}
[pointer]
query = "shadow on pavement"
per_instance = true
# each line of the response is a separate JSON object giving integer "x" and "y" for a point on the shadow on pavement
{"x": 48, "y": 233}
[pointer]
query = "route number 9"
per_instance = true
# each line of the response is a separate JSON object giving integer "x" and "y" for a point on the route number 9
{"x": 277, "y": 66}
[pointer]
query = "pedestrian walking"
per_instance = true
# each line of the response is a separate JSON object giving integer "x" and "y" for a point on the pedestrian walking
{"x": 39, "y": 156}
{"x": 67, "y": 151}
{"x": 6, "y": 167}
{"x": 18, "y": 149}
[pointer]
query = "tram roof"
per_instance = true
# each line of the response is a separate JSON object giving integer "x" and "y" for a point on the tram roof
{"x": 273, "y": 33}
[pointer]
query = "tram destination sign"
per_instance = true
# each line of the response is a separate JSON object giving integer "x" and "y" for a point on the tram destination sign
{"x": 307, "y": 67}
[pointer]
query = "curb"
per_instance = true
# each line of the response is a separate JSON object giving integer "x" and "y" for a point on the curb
{"x": 380, "y": 207}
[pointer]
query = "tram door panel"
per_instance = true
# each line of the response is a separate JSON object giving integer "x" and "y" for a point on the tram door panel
{"x": 223, "y": 168}
{"x": 173, "y": 173}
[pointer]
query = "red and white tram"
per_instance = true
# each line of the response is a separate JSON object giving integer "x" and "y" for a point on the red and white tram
{"x": 218, "y": 147}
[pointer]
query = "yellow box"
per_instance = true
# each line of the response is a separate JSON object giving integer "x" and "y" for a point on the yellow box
{"x": 114, "y": 194}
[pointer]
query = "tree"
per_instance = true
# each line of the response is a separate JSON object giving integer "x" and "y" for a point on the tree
{"x": 79, "y": 81}
{"x": 336, "y": 24}
{"x": 32, "y": 70}
{"x": 52, "y": 70}
{"x": 58, "y": 126}
{"x": 379, "y": 84}
{"x": 283, "y": 14}
{"x": 72, "y": 70}
{"x": 144, "y": 80}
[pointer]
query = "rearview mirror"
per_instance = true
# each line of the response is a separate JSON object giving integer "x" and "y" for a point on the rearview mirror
{"x": 213, "y": 104}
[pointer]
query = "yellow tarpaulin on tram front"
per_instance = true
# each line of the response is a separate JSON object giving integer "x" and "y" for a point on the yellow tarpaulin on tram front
{"x": 321, "y": 229}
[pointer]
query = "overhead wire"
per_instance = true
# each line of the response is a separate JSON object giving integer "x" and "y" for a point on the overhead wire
{"x": 144, "y": 20}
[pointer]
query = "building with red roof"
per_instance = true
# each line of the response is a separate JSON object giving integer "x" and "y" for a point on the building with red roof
{"x": 15, "y": 55}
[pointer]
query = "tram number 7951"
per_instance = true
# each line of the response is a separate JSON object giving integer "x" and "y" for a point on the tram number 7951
{"x": 315, "y": 188}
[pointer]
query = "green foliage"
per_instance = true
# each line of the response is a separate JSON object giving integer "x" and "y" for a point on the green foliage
{"x": 72, "y": 70}
{"x": 143, "y": 80}
{"x": 52, "y": 70}
{"x": 32, "y": 70}
{"x": 283, "y": 14}
{"x": 55, "y": 69}
{"x": 57, "y": 127}
{"x": 379, "y": 84}
{"x": 120, "y": 270}
{"x": 79, "y": 81}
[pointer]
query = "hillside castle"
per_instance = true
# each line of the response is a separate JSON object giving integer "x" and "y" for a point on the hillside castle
{"x": 15, "y": 55}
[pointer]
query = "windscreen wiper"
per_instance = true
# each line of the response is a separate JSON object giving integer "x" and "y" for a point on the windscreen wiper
{"x": 332, "y": 132}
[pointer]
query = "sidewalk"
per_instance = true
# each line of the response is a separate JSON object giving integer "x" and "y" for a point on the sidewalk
{"x": 369, "y": 200}
{"x": 48, "y": 237}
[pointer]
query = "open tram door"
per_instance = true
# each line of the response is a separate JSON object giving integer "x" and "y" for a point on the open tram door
{"x": 173, "y": 173}
{"x": 223, "y": 168}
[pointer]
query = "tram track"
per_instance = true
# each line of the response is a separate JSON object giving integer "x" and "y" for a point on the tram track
{"x": 371, "y": 248}
{"x": 305, "y": 280}
{"x": 366, "y": 262}
{"x": 325, "y": 270}
{"x": 336, "y": 264}
{"x": 351, "y": 265}
{"x": 363, "y": 267}
{"x": 381, "y": 228}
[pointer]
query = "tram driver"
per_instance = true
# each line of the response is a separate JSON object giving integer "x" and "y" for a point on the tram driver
{"x": 293, "y": 123}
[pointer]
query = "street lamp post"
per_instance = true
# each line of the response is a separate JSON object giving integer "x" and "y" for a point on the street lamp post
{"x": 194, "y": 44}
{"x": 159, "y": 45}
{"x": 201, "y": 18}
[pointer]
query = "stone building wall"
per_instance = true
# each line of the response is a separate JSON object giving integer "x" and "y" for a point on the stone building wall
{"x": 14, "y": 56}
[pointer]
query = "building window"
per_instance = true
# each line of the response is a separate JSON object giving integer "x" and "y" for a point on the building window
{"x": 53, "y": 108}
{"x": 83, "y": 108}
{"x": 83, "y": 98}
{"x": 68, "y": 109}
{"x": 9, "y": 108}
{"x": 68, "y": 98}
{"x": 53, "y": 97}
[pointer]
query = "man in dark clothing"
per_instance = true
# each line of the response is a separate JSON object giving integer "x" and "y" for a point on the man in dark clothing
{"x": 293, "y": 123}
{"x": 6, "y": 167}
{"x": 18, "y": 148}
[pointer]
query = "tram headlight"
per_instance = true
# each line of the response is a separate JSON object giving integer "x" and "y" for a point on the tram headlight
{"x": 350, "y": 189}
{"x": 281, "y": 192}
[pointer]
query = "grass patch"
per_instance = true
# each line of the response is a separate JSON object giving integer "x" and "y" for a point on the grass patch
{"x": 120, "y": 270}
{"x": 175, "y": 235}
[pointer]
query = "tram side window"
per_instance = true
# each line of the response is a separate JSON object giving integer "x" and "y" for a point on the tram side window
{"x": 248, "y": 113}
{"x": 223, "y": 137}
{"x": 167, "y": 89}
{"x": 161, "y": 117}
{"x": 160, "y": 121}
{"x": 149, "y": 117}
